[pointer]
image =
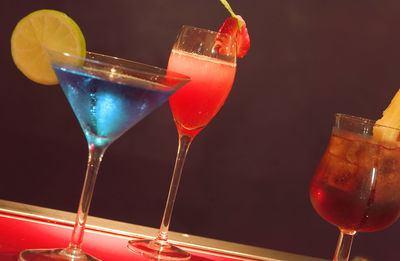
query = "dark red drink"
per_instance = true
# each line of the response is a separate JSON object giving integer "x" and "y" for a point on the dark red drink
{"x": 357, "y": 183}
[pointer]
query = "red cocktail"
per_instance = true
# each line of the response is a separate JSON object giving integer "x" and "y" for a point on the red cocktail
{"x": 357, "y": 183}
{"x": 212, "y": 75}
{"x": 211, "y": 81}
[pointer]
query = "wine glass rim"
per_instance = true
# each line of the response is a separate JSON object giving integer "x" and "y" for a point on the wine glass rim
{"x": 363, "y": 120}
{"x": 199, "y": 29}
{"x": 147, "y": 69}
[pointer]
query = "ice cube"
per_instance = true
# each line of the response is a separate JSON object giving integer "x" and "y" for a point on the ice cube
{"x": 354, "y": 152}
{"x": 337, "y": 146}
{"x": 387, "y": 187}
{"x": 388, "y": 162}
{"x": 342, "y": 174}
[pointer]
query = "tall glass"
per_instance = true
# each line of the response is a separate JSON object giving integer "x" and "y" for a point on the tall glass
{"x": 356, "y": 186}
{"x": 108, "y": 96}
{"x": 195, "y": 53}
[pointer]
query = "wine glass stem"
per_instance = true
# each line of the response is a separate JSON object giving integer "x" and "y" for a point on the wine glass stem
{"x": 343, "y": 247}
{"x": 95, "y": 157}
{"x": 183, "y": 147}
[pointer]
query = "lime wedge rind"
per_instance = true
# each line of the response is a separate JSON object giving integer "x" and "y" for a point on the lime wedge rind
{"x": 39, "y": 30}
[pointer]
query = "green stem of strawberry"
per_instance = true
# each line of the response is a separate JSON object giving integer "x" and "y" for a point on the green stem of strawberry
{"x": 229, "y": 8}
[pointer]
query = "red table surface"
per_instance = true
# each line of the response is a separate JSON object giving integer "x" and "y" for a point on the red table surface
{"x": 18, "y": 233}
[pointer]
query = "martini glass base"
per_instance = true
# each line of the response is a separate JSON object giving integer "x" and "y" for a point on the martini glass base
{"x": 158, "y": 250}
{"x": 53, "y": 255}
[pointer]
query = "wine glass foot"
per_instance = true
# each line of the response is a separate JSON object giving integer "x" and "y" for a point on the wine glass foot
{"x": 53, "y": 255}
{"x": 158, "y": 250}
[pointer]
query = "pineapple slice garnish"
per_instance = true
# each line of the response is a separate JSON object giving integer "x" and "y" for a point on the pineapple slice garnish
{"x": 390, "y": 118}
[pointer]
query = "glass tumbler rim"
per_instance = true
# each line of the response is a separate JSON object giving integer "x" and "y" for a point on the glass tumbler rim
{"x": 363, "y": 120}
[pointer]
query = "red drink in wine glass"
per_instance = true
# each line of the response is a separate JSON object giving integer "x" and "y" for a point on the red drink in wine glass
{"x": 356, "y": 186}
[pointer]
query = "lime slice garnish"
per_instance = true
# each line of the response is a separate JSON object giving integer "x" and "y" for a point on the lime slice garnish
{"x": 40, "y": 30}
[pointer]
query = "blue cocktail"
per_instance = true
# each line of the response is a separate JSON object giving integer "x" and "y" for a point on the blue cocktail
{"x": 107, "y": 108}
{"x": 108, "y": 96}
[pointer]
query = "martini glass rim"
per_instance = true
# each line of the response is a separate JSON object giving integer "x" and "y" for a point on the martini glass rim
{"x": 131, "y": 69}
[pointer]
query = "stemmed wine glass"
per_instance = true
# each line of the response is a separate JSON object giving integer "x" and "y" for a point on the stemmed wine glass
{"x": 356, "y": 186}
{"x": 108, "y": 96}
{"x": 195, "y": 53}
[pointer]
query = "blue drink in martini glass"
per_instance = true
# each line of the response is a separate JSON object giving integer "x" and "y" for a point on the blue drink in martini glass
{"x": 106, "y": 107}
{"x": 108, "y": 96}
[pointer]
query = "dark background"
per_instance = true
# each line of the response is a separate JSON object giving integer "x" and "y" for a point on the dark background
{"x": 247, "y": 174}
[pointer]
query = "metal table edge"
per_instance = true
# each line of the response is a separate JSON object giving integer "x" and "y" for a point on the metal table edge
{"x": 133, "y": 230}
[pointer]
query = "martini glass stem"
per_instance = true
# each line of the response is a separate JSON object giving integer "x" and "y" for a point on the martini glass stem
{"x": 95, "y": 156}
{"x": 183, "y": 147}
{"x": 343, "y": 247}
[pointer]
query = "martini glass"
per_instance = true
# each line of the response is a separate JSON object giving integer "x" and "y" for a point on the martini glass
{"x": 356, "y": 186}
{"x": 108, "y": 96}
{"x": 195, "y": 53}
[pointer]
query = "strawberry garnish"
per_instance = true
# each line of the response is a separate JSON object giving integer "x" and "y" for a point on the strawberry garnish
{"x": 233, "y": 26}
